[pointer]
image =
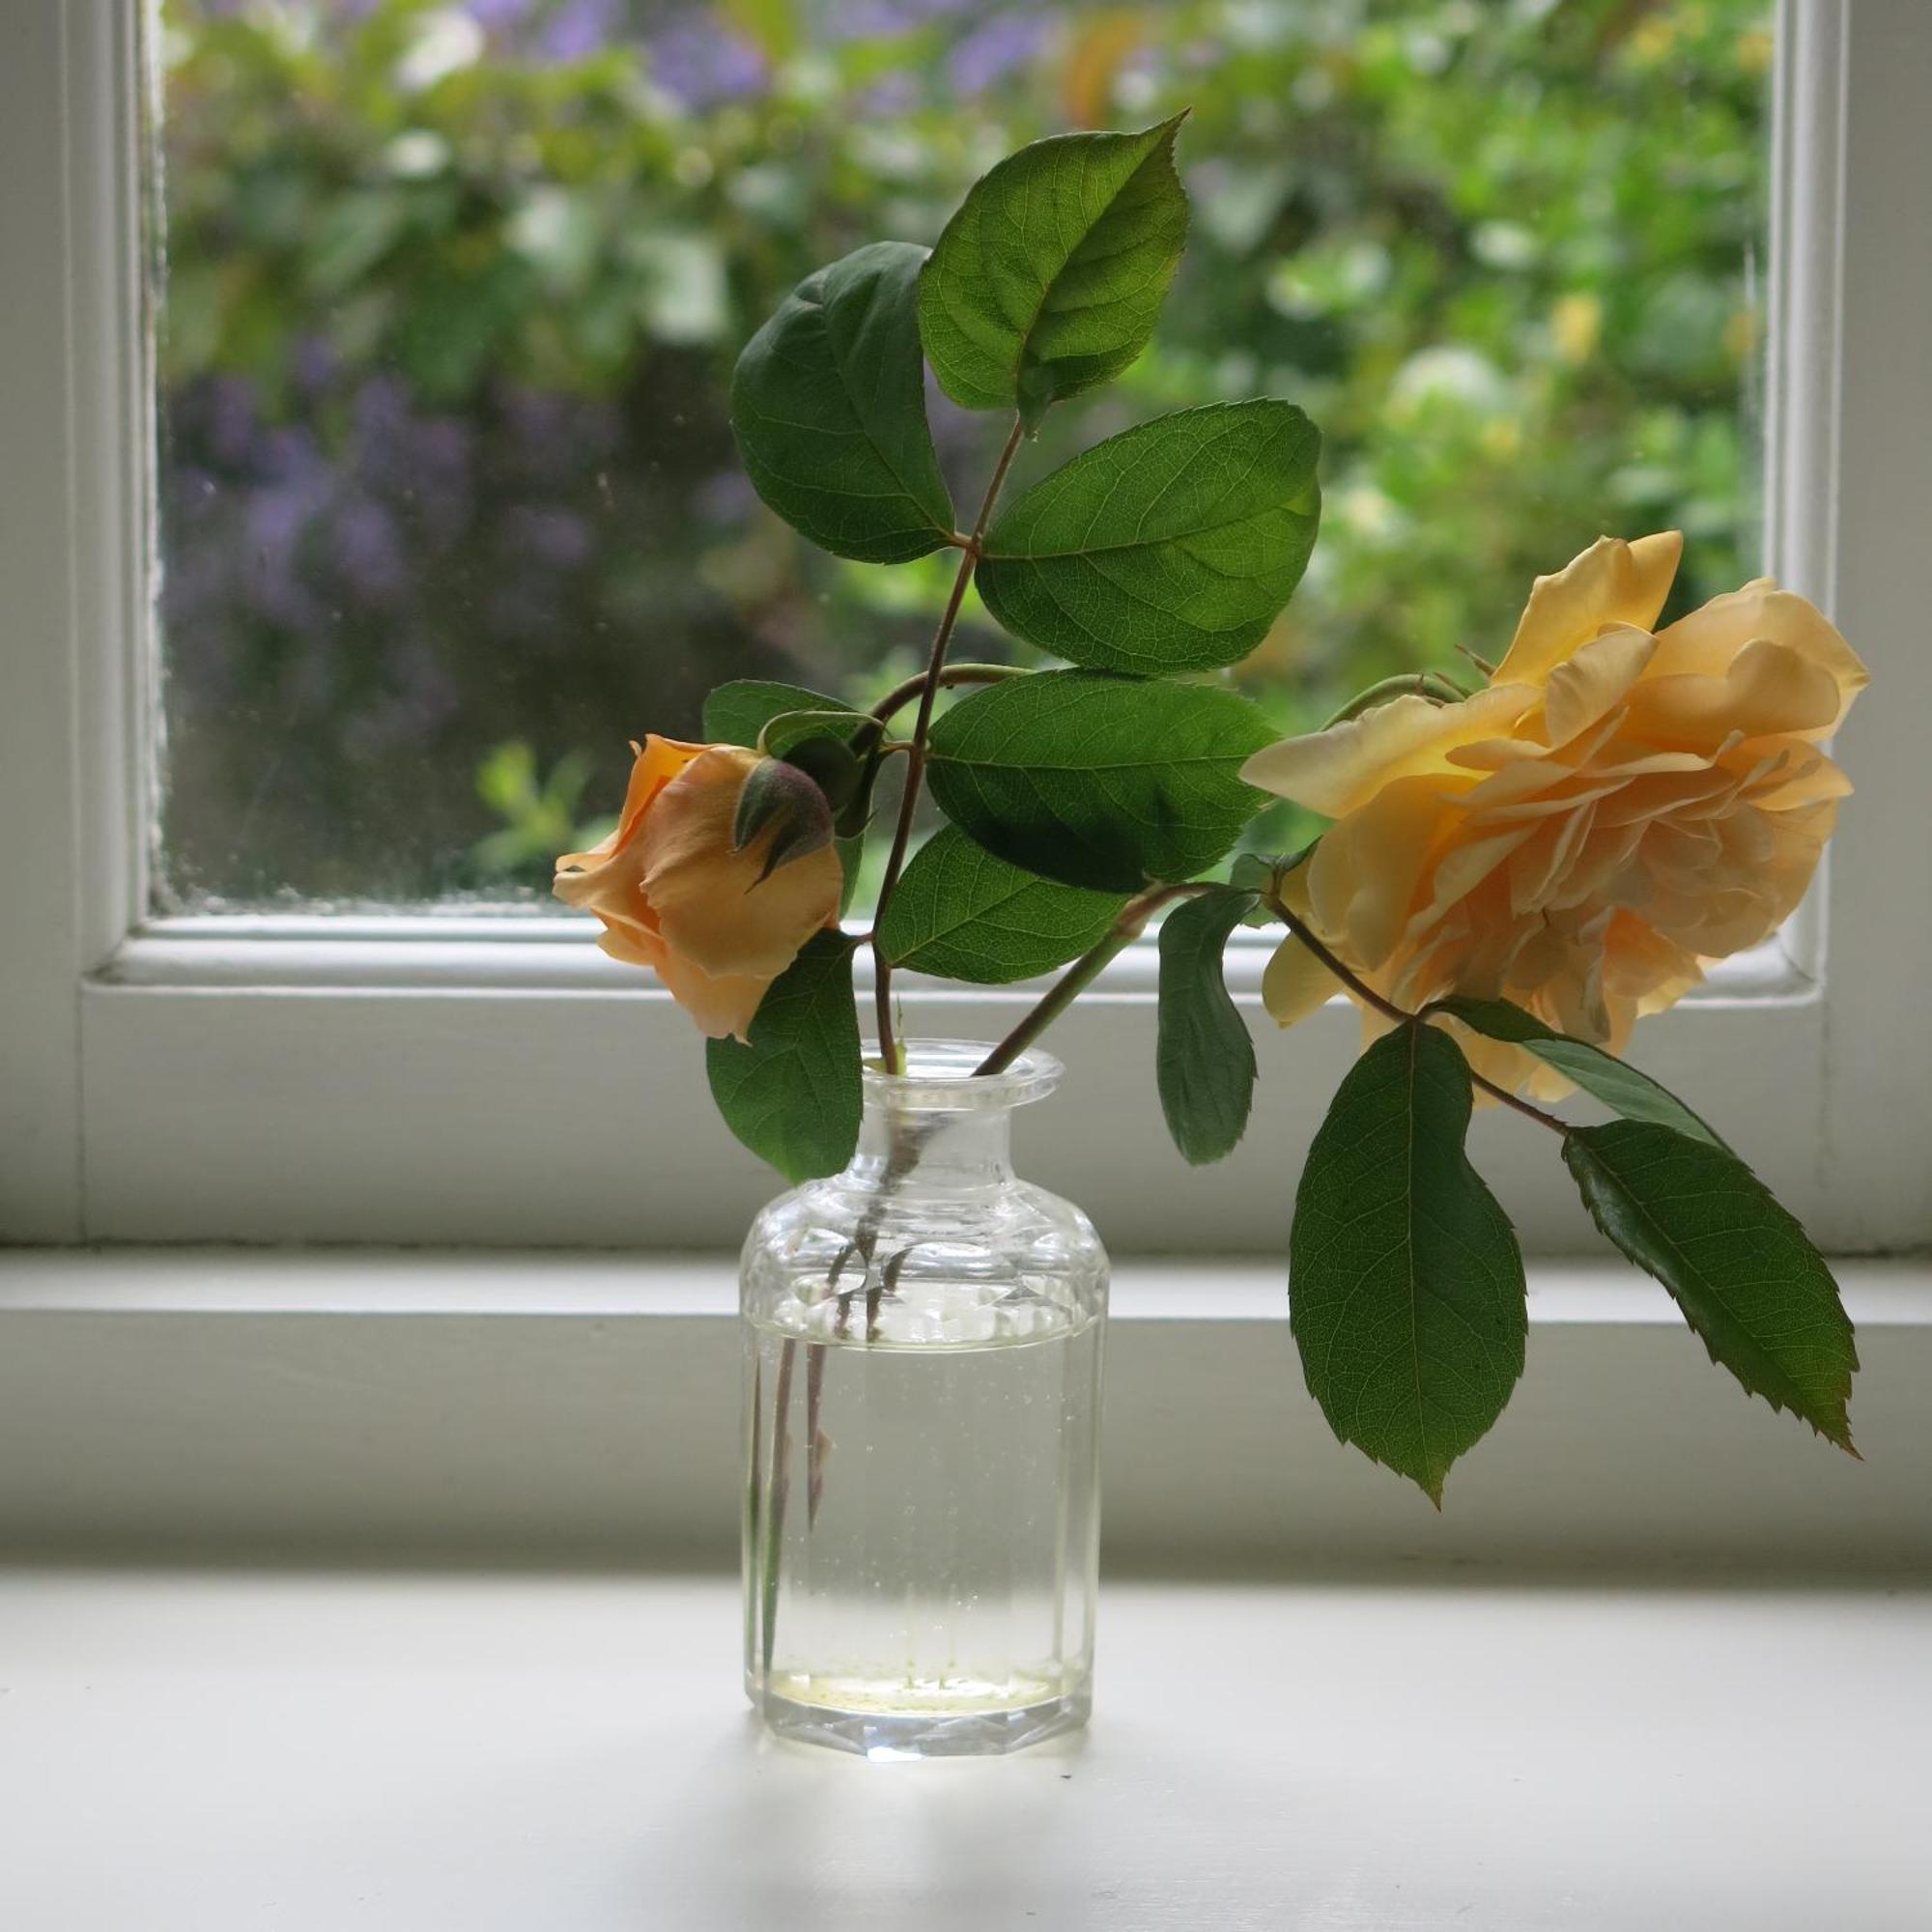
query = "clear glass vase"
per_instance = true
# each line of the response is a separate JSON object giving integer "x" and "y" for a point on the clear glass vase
{"x": 921, "y": 1339}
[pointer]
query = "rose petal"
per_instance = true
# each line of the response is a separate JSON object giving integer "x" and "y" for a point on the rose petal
{"x": 1808, "y": 781}
{"x": 609, "y": 879}
{"x": 1364, "y": 874}
{"x": 1335, "y": 770}
{"x": 1611, "y": 583}
{"x": 721, "y": 1003}
{"x": 1541, "y": 861}
{"x": 1459, "y": 871}
{"x": 1766, "y": 690}
{"x": 1295, "y": 982}
{"x": 710, "y": 904}
{"x": 632, "y": 941}
{"x": 1594, "y": 681}
{"x": 1706, "y": 642}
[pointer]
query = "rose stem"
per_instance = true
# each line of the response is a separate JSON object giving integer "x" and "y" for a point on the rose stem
{"x": 1055, "y": 1001}
{"x": 902, "y": 695}
{"x": 776, "y": 1503}
{"x": 1391, "y": 1011}
{"x": 814, "y": 1389}
{"x": 915, "y": 773}
{"x": 1426, "y": 684}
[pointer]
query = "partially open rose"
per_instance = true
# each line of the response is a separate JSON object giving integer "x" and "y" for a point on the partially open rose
{"x": 674, "y": 897}
{"x": 1615, "y": 810}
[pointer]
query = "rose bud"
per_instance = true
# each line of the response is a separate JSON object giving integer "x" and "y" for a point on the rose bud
{"x": 715, "y": 919}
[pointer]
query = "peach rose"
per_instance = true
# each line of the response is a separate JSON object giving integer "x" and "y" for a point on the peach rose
{"x": 1615, "y": 809}
{"x": 674, "y": 897}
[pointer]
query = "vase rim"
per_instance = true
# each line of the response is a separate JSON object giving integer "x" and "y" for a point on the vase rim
{"x": 939, "y": 1078}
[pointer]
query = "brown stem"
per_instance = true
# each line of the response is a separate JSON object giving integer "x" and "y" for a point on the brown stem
{"x": 1389, "y": 1011}
{"x": 1078, "y": 977}
{"x": 902, "y": 695}
{"x": 882, "y": 972}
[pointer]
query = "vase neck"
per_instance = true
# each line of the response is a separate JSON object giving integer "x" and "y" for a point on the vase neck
{"x": 934, "y": 1152}
{"x": 940, "y": 1127}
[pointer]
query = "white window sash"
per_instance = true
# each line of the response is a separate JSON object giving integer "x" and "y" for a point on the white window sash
{"x": 450, "y": 1078}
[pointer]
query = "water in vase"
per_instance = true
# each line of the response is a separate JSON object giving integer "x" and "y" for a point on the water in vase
{"x": 921, "y": 1519}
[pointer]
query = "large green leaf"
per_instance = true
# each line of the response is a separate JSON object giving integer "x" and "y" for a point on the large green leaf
{"x": 1109, "y": 783}
{"x": 1203, "y": 1059}
{"x": 793, "y": 1094}
{"x": 1405, "y": 1287}
{"x": 1742, "y": 1269}
{"x": 1617, "y": 1084}
{"x": 1169, "y": 547}
{"x": 737, "y": 711}
{"x": 1048, "y": 279}
{"x": 829, "y": 405}
{"x": 962, "y": 914}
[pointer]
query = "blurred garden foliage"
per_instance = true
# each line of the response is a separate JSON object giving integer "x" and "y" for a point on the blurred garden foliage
{"x": 449, "y": 507}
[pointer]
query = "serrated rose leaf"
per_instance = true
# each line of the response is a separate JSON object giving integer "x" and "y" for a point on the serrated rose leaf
{"x": 1048, "y": 279}
{"x": 962, "y": 914}
{"x": 1171, "y": 547}
{"x": 828, "y": 402}
{"x": 1108, "y": 783}
{"x": 1617, "y": 1084}
{"x": 1203, "y": 1059}
{"x": 1405, "y": 1284}
{"x": 1744, "y": 1273}
{"x": 793, "y": 1094}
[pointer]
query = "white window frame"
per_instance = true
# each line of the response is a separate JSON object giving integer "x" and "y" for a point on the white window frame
{"x": 453, "y": 1079}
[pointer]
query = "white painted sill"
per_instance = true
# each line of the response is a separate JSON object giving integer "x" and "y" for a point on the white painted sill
{"x": 229, "y": 1753}
{"x": 583, "y": 1409}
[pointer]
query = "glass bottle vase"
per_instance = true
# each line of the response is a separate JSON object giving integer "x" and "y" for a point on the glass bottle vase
{"x": 922, "y": 1347}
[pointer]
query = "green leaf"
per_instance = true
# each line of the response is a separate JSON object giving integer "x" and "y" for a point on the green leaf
{"x": 784, "y": 734}
{"x": 962, "y": 914}
{"x": 1171, "y": 547}
{"x": 1048, "y": 279}
{"x": 1203, "y": 1062}
{"x": 1742, "y": 1269}
{"x": 839, "y": 747}
{"x": 1252, "y": 873}
{"x": 832, "y": 765}
{"x": 1406, "y": 1287}
{"x": 829, "y": 405}
{"x": 793, "y": 1094}
{"x": 851, "y": 850}
{"x": 1618, "y": 1085}
{"x": 780, "y": 798}
{"x": 736, "y": 712}
{"x": 1097, "y": 780}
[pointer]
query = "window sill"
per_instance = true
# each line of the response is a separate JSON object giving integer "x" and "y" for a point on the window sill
{"x": 583, "y": 1409}
{"x": 317, "y": 1752}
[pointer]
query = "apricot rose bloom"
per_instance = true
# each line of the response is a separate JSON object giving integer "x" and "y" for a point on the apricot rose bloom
{"x": 674, "y": 897}
{"x": 1616, "y": 809}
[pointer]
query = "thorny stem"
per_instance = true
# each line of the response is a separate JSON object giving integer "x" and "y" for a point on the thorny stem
{"x": 1078, "y": 977}
{"x": 1389, "y": 1011}
{"x": 929, "y": 690}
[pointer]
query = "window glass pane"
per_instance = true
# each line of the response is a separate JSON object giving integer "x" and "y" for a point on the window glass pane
{"x": 448, "y": 505}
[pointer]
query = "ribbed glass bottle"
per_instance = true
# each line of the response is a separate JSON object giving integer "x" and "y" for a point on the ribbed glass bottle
{"x": 921, "y": 1341}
